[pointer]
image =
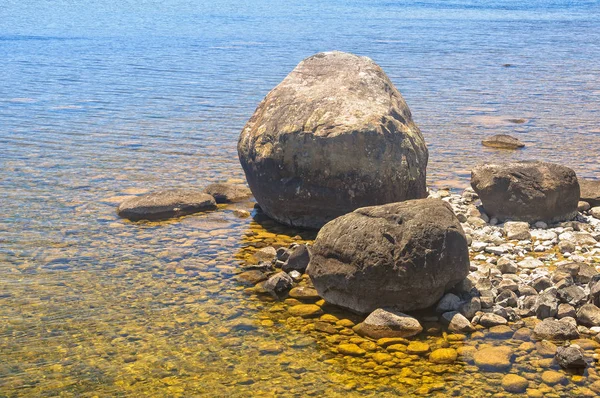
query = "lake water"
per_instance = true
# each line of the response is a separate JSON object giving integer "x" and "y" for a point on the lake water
{"x": 100, "y": 100}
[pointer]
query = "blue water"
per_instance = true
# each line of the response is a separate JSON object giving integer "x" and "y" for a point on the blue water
{"x": 97, "y": 97}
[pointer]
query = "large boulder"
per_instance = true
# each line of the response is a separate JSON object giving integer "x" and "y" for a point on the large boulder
{"x": 165, "y": 204}
{"x": 404, "y": 255}
{"x": 590, "y": 191}
{"x": 333, "y": 136}
{"x": 527, "y": 191}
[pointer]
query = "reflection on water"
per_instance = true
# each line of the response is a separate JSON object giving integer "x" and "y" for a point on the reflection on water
{"x": 99, "y": 103}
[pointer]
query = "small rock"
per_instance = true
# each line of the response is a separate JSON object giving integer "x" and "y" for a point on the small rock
{"x": 545, "y": 348}
{"x": 304, "y": 293}
{"x": 552, "y": 377}
{"x": 507, "y": 266}
{"x": 457, "y": 322}
{"x": 489, "y": 320}
{"x": 226, "y": 193}
{"x": 530, "y": 263}
{"x": 566, "y": 310}
{"x": 305, "y": 310}
{"x": 551, "y": 329}
{"x": 351, "y": 349}
{"x": 502, "y": 141}
{"x": 517, "y": 230}
{"x": 443, "y": 355}
{"x": 417, "y": 348}
{"x": 595, "y": 212}
{"x": 570, "y": 357}
{"x": 589, "y": 315}
{"x": 298, "y": 260}
{"x": 450, "y": 302}
{"x": 388, "y": 323}
{"x": 493, "y": 359}
{"x": 583, "y": 206}
{"x": 278, "y": 284}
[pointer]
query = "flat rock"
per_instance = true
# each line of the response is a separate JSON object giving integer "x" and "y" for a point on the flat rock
{"x": 514, "y": 383}
{"x": 502, "y": 141}
{"x": 165, "y": 204}
{"x": 443, "y": 356}
{"x": 227, "y": 193}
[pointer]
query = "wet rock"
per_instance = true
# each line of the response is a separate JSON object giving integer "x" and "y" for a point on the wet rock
{"x": 278, "y": 284}
{"x": 265, "y": 254}
{"x": 351, "y": 349}
{"x": 333, "y": 136}
{"x": 589, "y": 315}
{"x": 305, "y": 310}
{"x": 374, "y": 256}
{"x": 590, "y": 191}
{"x": 388, "y": 323}
{"x": 227, "y": 193}
{"x": 165, "y": 204}
{"x": 457, "y": 322}
{"x": 545, "y": 348}
{"x": 251, "y": 277}
{"x": 298, "y": 260}
{"x": 514, "y": 383}
{"x": 500, "y": 331}
{"x": 304, "y": 293}
{"x": 523, "y": 334}
{"x": 493, "y": 359}
{"x": 551, "y": 329}
{"x": 489, "y": 320}
{"x": 417, "y": 348}
{"x": 527, "y": 191}
{"x": 502, "y": 141}
{"x": 443, "y": 355}
{"x": 570, "y": 357}
{"x": 517, "y": 230}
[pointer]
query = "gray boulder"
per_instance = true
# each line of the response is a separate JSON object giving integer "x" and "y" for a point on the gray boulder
{"x": 502, "y": 141}
{"x": 388, "y": 323}
{"x": 404, "y": 255}
{"x": 333, "y": 136}
{"x": 166, "y": 204}
{"x": 527, "y": 191}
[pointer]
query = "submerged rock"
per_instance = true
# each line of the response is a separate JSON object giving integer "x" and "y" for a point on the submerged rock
{"x": 514, "y": 383}
{"x": 502, "y": 141}
{"x": 403, "y": 255}
{"x": 165, "y": 204}
{"x": 493, "y": 359}
{"x": 527, "y": 191}
{"x": 388, "y": 323}
{"x": 333, "y": 136}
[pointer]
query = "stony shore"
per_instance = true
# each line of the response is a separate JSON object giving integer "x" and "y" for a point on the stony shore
{"x": 526, "y": 315}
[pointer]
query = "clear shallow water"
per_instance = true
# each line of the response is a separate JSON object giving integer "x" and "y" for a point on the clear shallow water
{"x": 99, "y": 101}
